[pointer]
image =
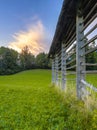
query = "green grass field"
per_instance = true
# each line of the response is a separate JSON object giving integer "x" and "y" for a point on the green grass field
{"x": 29, "y": 102}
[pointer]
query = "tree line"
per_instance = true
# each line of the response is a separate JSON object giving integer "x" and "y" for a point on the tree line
{"x": 12, "y": 62}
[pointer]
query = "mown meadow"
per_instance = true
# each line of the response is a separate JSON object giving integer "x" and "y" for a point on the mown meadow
{"x": 28, "y": 101}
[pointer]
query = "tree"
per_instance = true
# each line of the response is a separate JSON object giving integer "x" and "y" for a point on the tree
{"x": 42, "y": 61}
{"x": 8, "y": 61}
{"x": 27, "y": 58}
{"x": 11, "y": 61}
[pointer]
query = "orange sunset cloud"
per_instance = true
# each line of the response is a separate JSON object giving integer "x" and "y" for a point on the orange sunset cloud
{"x": 35, "y": 38}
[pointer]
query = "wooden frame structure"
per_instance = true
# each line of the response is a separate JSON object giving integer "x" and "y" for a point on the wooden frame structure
{"x": 68, "y": 49}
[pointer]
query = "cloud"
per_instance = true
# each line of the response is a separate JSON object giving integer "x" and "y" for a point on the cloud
{"x": 35, "y": 37}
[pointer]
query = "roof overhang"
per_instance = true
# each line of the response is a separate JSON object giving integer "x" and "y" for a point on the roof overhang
{"x": 66, "y": 26}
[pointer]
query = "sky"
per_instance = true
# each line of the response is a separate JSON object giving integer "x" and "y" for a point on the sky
{"x": 28, "y": 22}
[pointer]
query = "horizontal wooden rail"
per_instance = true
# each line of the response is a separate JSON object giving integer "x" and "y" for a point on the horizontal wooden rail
{"x": 89, "y": 85}
{"x": 89, "y": 22}
{"x": 90, "y": 31}
{"x": 90, "y": 64}
{"x": 91, "y": 11}
{"x": 71, "y": 61}
{"x": 91, "y": 40}
{"x": 90, "y": 51}
{"x": 90, "y": 72}
{"x": 72, "y": 67}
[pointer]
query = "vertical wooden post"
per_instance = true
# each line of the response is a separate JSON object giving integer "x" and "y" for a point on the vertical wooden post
{"x": 79, "y": 58}
{"x": 53, "y": 71}
{"x": 63, "y": 67}
{"x": 56, "y": 67}
{"x": 58, "y": 80}
{"x": 60, "y": 68}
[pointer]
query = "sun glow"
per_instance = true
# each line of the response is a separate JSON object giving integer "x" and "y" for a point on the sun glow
{"x": 35, "y": 38}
